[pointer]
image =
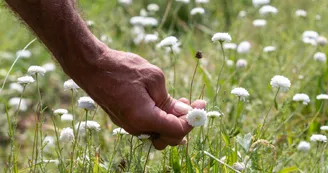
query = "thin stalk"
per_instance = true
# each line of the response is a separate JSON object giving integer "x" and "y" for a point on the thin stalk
{"x": 192, "y": 81}
{"x": 174, "y": 71}
{"x": 144, "y": 170}
{"x": 59, "y": 154}
{"x": 41, "y": 120}
{"x": 114, "y": 152}
{"x": 131, "y": 148}
{"x": 218, "y": 79}
{"x": 86, "y": 138}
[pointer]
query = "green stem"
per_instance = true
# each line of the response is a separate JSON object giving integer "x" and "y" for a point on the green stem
{"x": 219, "y": 76}
{"x": 144, "y": 170}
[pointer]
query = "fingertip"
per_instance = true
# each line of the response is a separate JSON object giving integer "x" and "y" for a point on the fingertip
{"x": 200, "y": 104}
{"x": 159, "y": 144}
{"x": 184, "y": 100}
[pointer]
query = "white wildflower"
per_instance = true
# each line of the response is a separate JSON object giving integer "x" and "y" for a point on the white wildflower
{"x": 221, "y": 37}
{"x": 324, "y": 128}
{"x": 302, "y": 97}
{"x": 183, "y": 1}
{"x": 301, "y": 13}
{"x": 143, "y": 12}
{"x": 319, "y": 56}
{"x": 32, "y": 70}
{"x": 196, "y": 117}
{"x": 197, "y": 10}
{"x": 90, "y": 125}
{"x": 241, "y": 63}
{"x": 242, "y": 93}
{"x": 321, "y": 40}
{"x": 66, "y": 117}
{"x": 144, "y": 21}
{"x": 269, "y": 49}
{"x": 14, "y": 102}
{"x": 49, "y": 67}
{"x": 149, "y": 38}
{"x": 242, "y": 14}
{"x": 70, "y": 85}
{"x": 25, "y": 80}
{"x": 239, "y": 166}
{"x": 213, "y": 114}
{"x": 322, "y": 97}
{"x": 49, "y": 141}
{"x": 231, "y": 46}
{"x": 318, "y": 138}
{"x": 143, "y": 136}
{"x": 317, "y": 17}
{"x": 60, "y": 111}
{"x": 66, "y": 135}
{"x": 310, "y": 37}
{"x": 119, "y": 131}
{"x": 90, "y": 22}
{"x": 280, "y": 82}
{"x": 24, "y": 53}
{"x": 125, "y": 2}
{"x": 230, "y": 63}
{"x": 259, "y": 22}
{"x": 17, "y": 87}
{"x": 268, "y": 9}
{"x": 168, "y": 41}
{"x": 257, "y": 3}
{"x": 86, "y": 103}
{"x": 202, "y": 1}
{"x": 153, "y": 7}
{"x": 175, "y": 48}
{"x": 244, "y": 47}
{"x": 304, "y": 146}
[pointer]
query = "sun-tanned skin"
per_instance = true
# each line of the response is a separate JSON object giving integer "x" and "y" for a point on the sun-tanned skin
{"x": 130, "y": 89}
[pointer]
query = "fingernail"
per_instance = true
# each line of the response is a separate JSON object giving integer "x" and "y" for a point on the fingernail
{"x": 182, "y": 108}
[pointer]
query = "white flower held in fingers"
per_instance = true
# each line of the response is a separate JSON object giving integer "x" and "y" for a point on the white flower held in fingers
{"x": 197, "y": 10}
{"x": 259, "y": 22}
{"x": 221, "y": 37}
{"x": 70, "y": 85}
{"x": 303, "y": 146}
{"x": 324, "y": 128}
{"x": 242, "y": 93}
{"x": 119, "y": 131}
{"x": 302, "y": 97}
{"x": 66, "y": 117}
{"x": 25, "y": 80}
{"x": 196, "y": 117}
{"x": 301, "y": 13}
{"x": 280, "y": 82}
{"x": 269, "y": 49}
{"x": 60, "y": 111}
{"x": 241, "y": 63}
{"x": 318, "y": 138}
{"x": 322, "y": 97}
{"x": 33, "y": 70}
{"x": 319, "y": 56}
{"x": 168, "y": 41}
{"x": 268, "y": 9}
{"x": 244, "y": 47}
{"x": 213, "y": 114}
{"x": 86, "y": 103}
{"x": 66, "y": 135}
{"x": 238, "y": 166}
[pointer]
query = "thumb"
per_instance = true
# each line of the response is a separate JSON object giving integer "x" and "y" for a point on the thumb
{"x": 155, "y": 85}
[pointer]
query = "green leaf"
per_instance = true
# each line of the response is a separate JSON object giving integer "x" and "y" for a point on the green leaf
{"x": 289, "y": 169}
{"x": 189, "y": 165}
{"x": 175, "y": 160}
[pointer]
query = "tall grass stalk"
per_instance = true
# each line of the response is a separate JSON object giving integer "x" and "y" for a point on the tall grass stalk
{"x": 217, "y": 86}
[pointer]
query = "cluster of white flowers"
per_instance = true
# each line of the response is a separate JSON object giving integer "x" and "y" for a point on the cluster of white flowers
{"x": 33, "y": 70}
{"x": 319, "y": 56}
{"x": 143, "y": 21}
{"x": 66, "y": 117}
{"x": 221, "y": 37}
{"x": 86, "y": 103}
{"x": 119, "y": 131}
{"x": 259, "y": 22}
{"x": 168, "y": 41}
{"x": 269, "y": 49}
{"x": 87, "y": 125}
{"x": 302, "y": 97}
{"x": 60, "y": 111}
{"x": 125, "y": 2}
{"x": 150, "y": 38}
{"x": 322, "y": 97}
{"x": 268, "y": 9}
{"x": 310, "y": 37}
{"x": 241, "y": 63}
{"x": 257, "y": 3}
{"x": 25, "y": 80}
{"x": 70, "y": 85}
{"x": 244, "y": 47}
{"x": 324, "y": 128}
{"x": 197, "y": 10}
{"x": 66, "y": 135}
{"x": 304, "y": 146}
{"x": 242, "y": 93}
{"x": 318, "y": 138}
{"x": 280, "y": 82}
{"x": 301, "y": 13}
{"x": 196, "y": 117}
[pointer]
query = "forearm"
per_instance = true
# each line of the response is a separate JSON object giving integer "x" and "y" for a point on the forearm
{"x": 60, "y": 27}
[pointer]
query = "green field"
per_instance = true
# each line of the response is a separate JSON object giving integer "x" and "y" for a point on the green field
{"x": 268, "y": 131}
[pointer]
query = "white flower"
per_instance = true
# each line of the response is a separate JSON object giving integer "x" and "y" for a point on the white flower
{"x": 24, "y": 53}
{"x": 17, "y": 87}
{"x": 168, "y": 41}
{"x": 221, "y": 37}
{"x": 322, "y": 97}
{"x": 319, "y": 56}
{"x": 324, "y": 128}
{"x": 119, "y": 131}
{"x": 90, "y": 22}
{"x": 150, "y": 38}
{"x": 25, "y": 80}
{"x": 143, "y": 12}
{"x": 14, "y": 102}
{"x": 66, "y": 117}
{"x": 244, "y": 47}
{"x": 269, "y": 49}
{"x": 238, "y": 166}
{"x": 90, "y": 125}
{"x": 241, "y": 63}
{"x": 202, "y": 1}
{"x": 231, "y": 46}
{"x": 230, "y": 63}
{"x": 32, "y": 70}
{"x": 66, "y": 135}
{"x": 318, "y": 138}
{"x": 60, "y": 111}
{"x": 175, "y": 48}
{"x": 70, "y": 85}
{"x": 257, "y": 3}
{"x": 304, "y": 146}
{"x": 242, "y": 14}
{"x": 268, "y": 9}
{"x": 321, "y": 40}
{"x": 301, "y": 13}
{"x": 153, "y": 7}
{"x": 259, "y": 22}
{"x": 196, "y": 117}
{"x": 302, "y": 97}
{"x": 143, "y": 136}
{"x": 183, "y": 1}
{"x": 6, "y": 55}
{"x": 317, "y": 17}
{"x": 242, "y": 93}
{"x": 86, "y": 103}
{"x": 49, "y": 141}
{"x": 310, "y": 37}
{"x": 49, "y": 67}
{"x": 197, "y": 10}
{"x": 125, "y": 2}
{"x": 213, "y": 114}
{"x": 143, "y": 21}
{"x": 106, "y": 39}
{"x": 280, "y": 82}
